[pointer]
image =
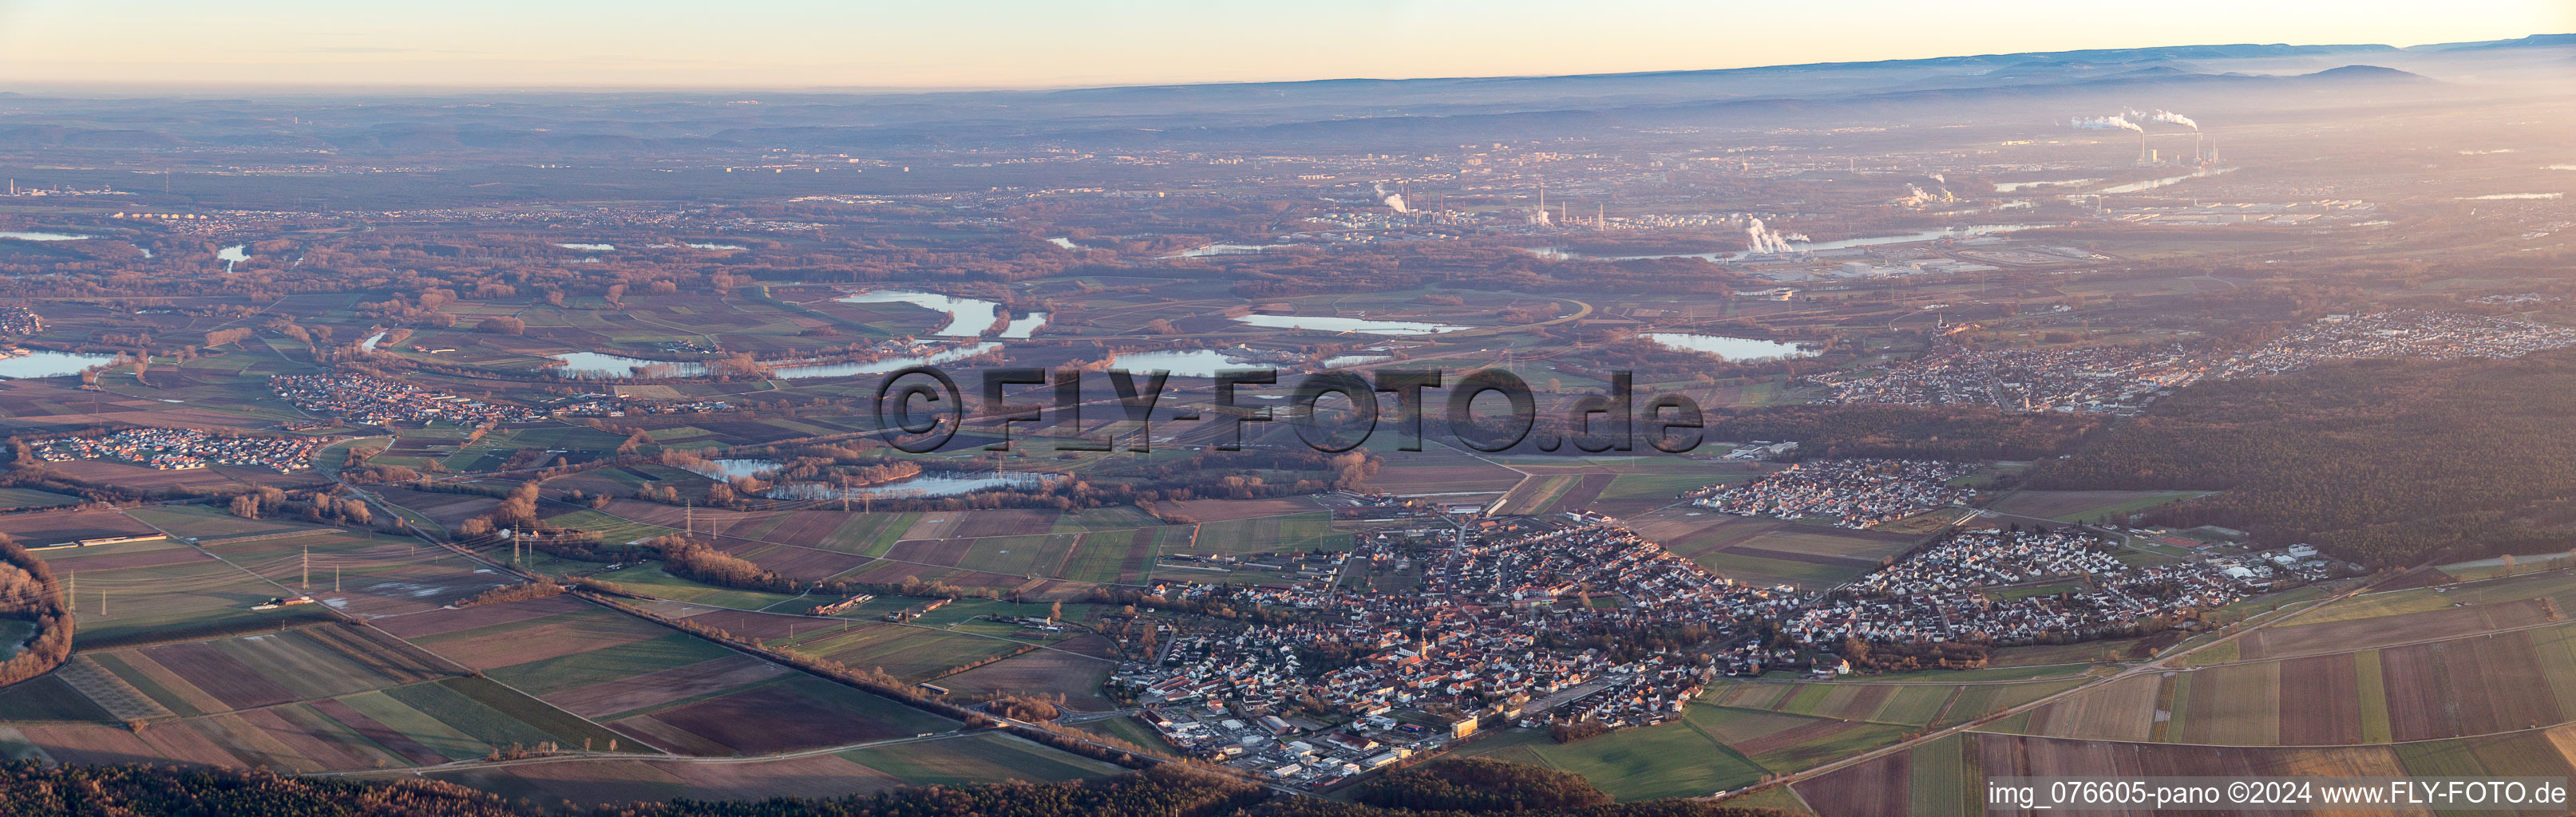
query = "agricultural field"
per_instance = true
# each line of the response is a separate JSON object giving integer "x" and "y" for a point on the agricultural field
{"x": 1042, "y": 672}
{"x": 912, "y": 653}
{"x": 978, "y": 758}
{"x": 1741, "y": 729}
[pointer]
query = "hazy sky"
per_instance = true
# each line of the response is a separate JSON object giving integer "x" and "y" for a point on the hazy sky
{"x": 954, "y": 43}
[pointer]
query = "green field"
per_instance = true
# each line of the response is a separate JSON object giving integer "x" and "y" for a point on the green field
{"x": 1300, "y": 531}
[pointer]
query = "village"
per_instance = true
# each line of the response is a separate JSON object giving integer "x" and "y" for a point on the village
{"x": 374, "y": 401}
{"x": 179, "y": 449}
{"x": 2123, "y": 378}
{"x": 1855, "y": 493}
{"x": 1571, "y": 622}
{"x": 2400, "y": 333}
{"x": 1527, "y": 619}
{"x": 2116, "y": 379}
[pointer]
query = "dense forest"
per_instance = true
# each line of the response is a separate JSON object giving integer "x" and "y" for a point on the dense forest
{"x": 1932, "y": 432}
{"x": 2382, "y": 462}
{"x": 1168, "y": 791}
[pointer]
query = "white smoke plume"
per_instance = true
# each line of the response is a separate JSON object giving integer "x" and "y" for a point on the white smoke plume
{"x": 1393, "y": 201}
{"x": 1938, "y": 178}
{"x": 2112, "y": 122}
{"x": 1762, "y": 239}
{"x": 2172, "y": 118}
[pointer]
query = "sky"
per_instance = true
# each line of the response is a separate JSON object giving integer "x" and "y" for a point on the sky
{"x": 786, "y": 44}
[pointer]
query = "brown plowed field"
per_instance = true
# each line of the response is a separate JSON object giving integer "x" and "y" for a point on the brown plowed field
{"x": 324, "y": 754}
{"x": 2320, "y": 701}
{"x": 806, "y": 564}
{"x": 2467, "y": 686}
{"x": 1884, "y": 785}
{"x": 33, "y": 529}
{"x": 1220, "y": 510}
{"x": 98, "y": 744}
{"x": 236, "y": 684}
{"x": 438, "y": 622}
{"x": 1004, "y": 522}
{"x": 383, "y": 735}
{"x": 948, "y": 552}
{"x": 2124, "y": 710}
{"x": 758, "y": 625}
{"x": 772, "y": 719}
{"x": 547, "y": 639}
{"x": 2020, "y": 756}
{"x": 656, "y": 733}
{"x": 2341, "y": 636}
{"x": 665, "y": 686}
{"x": 1441, "y": 478}
{"x": 1046, "y": 672}
{"x": 202, "y": 741}
{"x": 817, "y": 776}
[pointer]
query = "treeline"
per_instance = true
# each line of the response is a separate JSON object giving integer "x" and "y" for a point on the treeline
{"x": 525, "y": 591}
{"x": 2381, "y": 462}
{"x": 1479, "y": 784}
{"x": 135, "y": 790}
{"x": 1959, "y": 433}
{"x": 28, "y": 591}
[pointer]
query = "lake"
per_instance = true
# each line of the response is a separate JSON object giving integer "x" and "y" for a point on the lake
{"x": 1322, "y": 323}
{"x": 234, "y": 254}
{"x": 601, "y": 365}
{"x": 588, "y": 247}
{"x": 1726, "y": 348}
{"x": 1021, "y": 327}
{"x": 927, "y": 484}
{"x": 370, "y": 343}
{"x": 967, "y": 317}
{"x": 48, "y": 364}
{"x": 31, "y": 236}
{"x": 1184, "y": 362}
{"x": 598, "y": 365}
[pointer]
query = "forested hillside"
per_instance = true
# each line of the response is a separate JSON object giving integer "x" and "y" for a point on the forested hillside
{"x": 2384, "y": 462}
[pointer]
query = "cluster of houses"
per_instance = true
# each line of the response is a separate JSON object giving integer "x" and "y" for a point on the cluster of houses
{"x": 2116, "y": 379}
{"x": 1547, "y": 620}
{"x": 180, "y": 449}
{"x": 1856, "y": 493}
{"x": 603, "y": 405}
{"x": 1942, "y": 593}
{"x": 2123, "y": 379}
{"x": 1994, "y": 558}
{"x": 376, "y": 401}
{"x": 20, "y": 320}
{"x": 2400, "y": 333}
{"x": 1492, "y": 631}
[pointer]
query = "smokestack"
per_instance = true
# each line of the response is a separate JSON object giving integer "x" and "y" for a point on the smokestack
{"x": 2142, "y": 146}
